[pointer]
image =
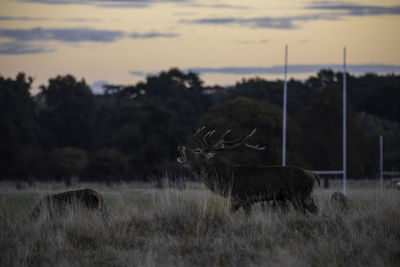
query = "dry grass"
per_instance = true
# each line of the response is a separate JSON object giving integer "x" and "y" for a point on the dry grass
{"x": 170, "y": 227}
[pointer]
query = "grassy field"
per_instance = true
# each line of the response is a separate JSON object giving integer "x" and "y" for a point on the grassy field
{"x": 193, "y": 227}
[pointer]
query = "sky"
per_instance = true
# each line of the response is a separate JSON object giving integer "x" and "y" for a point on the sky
{"x": 122, "y": 41}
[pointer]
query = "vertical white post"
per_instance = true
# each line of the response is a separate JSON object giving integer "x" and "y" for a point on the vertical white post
{"x": 284, "y": 110}
{"x": 344, "y": 122}
{"x": 381, "y": 160}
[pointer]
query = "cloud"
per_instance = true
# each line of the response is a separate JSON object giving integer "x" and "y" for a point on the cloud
{"x": 355, "y": 9}
{"x": 152, "y": 35}
{"x": 20, "y": 41}
{"x": 138, "y": 73}
{"x": 226, "y": 6}
{"x": 289, "y": 22}
{"x": 77, "y": 20}
{"x": 337, "y": 11}
{"x": 62, "y": 35}
{"x": 74, "y": 35}
{"x": 251, "y": 42}
{"x": 26, "y": 18}
{"x": 22, "y": 18}
{"x": 19, "y": 48}
{"x": 106, "y": 3}
{"x": 299, "y": 69}
{"x": 219, "y": 6}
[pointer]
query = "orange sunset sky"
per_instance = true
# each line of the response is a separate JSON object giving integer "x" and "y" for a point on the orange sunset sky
{"x": 122, "y": 41}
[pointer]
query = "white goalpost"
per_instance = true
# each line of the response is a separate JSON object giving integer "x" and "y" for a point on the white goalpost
{"x": 342, "y": 172}
{"x": 382, "y": 172}
{"x": 284, "y": 109}
{"x": 344, "y": 122}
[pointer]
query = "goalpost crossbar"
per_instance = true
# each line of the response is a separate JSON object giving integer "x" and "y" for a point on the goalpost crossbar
{"x": 329, "y": 172}
{"x": 389, "y": 173}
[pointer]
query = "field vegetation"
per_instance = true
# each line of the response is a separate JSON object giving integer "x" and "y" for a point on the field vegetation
{"x": 147, "y": 226}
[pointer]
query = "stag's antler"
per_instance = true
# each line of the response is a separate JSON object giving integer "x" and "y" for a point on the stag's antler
{"x": 223, "y": 144}
{"x": 256, "y": 147}
{"x": 199, "y": 140}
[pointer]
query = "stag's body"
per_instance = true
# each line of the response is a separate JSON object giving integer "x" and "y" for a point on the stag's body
{"x": 58, "y": 204}
{"x": 248, "y": 184}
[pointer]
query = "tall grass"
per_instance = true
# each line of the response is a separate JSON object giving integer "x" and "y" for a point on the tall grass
{"x": 170, "y": 227}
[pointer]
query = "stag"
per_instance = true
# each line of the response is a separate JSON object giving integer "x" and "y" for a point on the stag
{"x": 247, "y": 184}
{"x": 58, "y": 204}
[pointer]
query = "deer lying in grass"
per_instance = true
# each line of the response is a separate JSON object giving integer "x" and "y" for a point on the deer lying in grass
{"x": 248, "y": 184}
{"x": 58, "y": 204}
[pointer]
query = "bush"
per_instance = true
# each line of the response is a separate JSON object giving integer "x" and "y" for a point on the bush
{"x": 68, "y": 162}
{"x": 108, "y": 163}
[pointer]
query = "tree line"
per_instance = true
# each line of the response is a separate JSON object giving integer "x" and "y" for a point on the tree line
{"x": 132, "y": 132}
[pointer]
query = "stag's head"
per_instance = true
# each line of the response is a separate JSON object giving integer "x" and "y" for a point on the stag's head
{"x": 197, "y": 158}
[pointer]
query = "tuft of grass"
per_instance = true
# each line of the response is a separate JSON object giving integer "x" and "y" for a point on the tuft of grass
{"x": 170, "y": 227}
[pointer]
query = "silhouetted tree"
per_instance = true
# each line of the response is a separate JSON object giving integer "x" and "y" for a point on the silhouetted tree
{"x": 321, "y": 133}
{"x": 148, "y": 120}
{"x": 18, "y": 127}
{"x": 108, "y": 164}
{"x": 68, "y": 163}
{"x": 67, "y": 111}
{"x": 376, "y": 95}
{"x": 272, "y": 91}
{"x": 241, "y": 115}
{"x": 372, "y": 127}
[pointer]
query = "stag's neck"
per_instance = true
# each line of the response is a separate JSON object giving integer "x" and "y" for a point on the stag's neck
{"x": 216, "y": 175}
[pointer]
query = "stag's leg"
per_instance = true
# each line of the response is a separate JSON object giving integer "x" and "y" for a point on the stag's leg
{"x": 307, "y": 202}
{"x": 299, "y": 208}
{"x": 298, "y": 205}
{"x": 310, "y": 205}
{"x": 263, "y": 206}
{"x": 247, "y": 209}
{"x": 281, "y": 204}
{"x": 272, "y": 205}
{"x": 234, "y": 205}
